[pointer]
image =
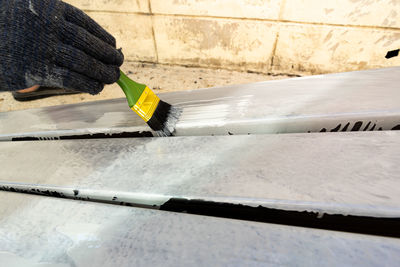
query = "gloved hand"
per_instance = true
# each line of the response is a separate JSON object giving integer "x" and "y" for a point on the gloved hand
{"x": 53, "y": 44}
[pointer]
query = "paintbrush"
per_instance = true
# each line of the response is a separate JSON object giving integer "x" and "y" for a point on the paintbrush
{"x": 159, "y": 115}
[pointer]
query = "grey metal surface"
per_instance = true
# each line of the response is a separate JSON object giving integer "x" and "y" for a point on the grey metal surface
{"x": 346, "y": 173}
{"x": 364, "y": 100}
{"x": 334, "y": 173}
{"x": 40, "y": 231}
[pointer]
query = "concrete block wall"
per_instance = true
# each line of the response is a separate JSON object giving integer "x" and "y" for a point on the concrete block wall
{"x": 270, "y": 36}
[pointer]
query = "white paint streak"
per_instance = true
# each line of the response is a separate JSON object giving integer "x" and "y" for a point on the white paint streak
{"x": 82, "y": 234}
{"x": 212, "y": 113}
{"x": 31, "y": 8}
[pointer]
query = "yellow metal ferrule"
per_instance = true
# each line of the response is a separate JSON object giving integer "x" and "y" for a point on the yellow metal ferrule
{"x": 146, "y": 105}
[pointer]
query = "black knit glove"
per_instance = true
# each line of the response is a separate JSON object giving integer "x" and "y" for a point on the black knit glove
{"x": 53, "y": 44}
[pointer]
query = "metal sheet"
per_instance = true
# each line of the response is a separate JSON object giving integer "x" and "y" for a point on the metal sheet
{"x": 39, "y": 231}
{"x": 364, "y": 100}
{"x": 346, "y": 173}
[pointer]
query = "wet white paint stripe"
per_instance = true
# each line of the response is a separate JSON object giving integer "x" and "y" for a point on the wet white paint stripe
{"x": 367, "y": 121}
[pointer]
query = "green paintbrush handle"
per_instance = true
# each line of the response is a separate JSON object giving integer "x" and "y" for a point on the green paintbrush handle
{"x": 132, "y": 89}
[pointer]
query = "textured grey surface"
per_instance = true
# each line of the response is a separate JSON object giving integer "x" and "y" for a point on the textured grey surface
{"x": 296, "y": 105}
{"x": 40, "y": 231}
{"x": 354, "y": 173}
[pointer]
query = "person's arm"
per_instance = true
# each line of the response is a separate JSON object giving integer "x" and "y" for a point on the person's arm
{"x": 53, "y": 44}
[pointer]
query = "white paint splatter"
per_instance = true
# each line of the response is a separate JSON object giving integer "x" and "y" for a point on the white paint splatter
{"x": 82, "y": 234}
{"x": 31, "y": 8}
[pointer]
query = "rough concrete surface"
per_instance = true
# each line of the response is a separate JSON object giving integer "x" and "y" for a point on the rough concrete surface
{"x": 270, "y": 36}
{"x": 161, "y": 78}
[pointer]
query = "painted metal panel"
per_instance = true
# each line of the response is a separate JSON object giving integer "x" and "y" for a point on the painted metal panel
{"x": 39, "y": 231}
{"x": 346, "y": 173}
{"x": 353, "y": 101}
